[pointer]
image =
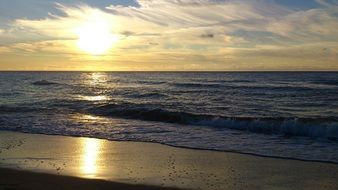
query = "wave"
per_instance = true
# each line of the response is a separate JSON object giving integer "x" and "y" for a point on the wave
{"x": 148, "y": 95}
{"x": 9, "y": 94}
{"x": 196, "y": 85}
{"x": 330, "y": 83}
{"x": 241, "y": 86}
{"x": 223, "y": 81}
{"x": 307, "y": 127}
{"x": 44, "y": 83}
{"x": 16, "y": 109}
{"x": 151, "y": 82}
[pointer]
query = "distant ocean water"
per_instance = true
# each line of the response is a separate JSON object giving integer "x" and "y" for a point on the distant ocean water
{"x": 284, "y": 114}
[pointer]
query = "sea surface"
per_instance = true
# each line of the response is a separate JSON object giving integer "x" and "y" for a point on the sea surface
{"x": 280, "y": 114}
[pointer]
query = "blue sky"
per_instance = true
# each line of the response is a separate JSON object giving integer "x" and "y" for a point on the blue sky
{"x": 39, "y": 8}
{"x": 300, "y": 4}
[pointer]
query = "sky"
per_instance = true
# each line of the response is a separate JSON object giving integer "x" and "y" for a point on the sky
{"x": 169, "y": 35}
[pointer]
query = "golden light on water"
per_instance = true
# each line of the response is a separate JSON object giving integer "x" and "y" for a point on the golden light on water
{"x": 91, "y": 155}
{"x": 94, "y": 98}
{"x": 98, "y": 81}
{"x": 96, "y": 78}
{"x": 86, "y": 118}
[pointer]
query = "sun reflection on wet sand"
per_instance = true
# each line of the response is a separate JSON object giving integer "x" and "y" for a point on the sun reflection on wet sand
{"x": 91, "y": 155}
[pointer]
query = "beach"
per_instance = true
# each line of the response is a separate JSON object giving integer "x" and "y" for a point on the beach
{"x": 107, "y": 164}
{"x": 171, "y": 94}
{"x": 14, "y": 179}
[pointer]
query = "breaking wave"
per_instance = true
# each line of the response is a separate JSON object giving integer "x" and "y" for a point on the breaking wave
{"x": 44, "y": 83}
{"x": 307, "y": 127}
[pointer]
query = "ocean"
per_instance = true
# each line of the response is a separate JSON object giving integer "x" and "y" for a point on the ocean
{"x": 277, "y": 114}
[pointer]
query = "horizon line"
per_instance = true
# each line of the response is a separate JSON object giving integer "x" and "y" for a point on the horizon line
{"x": 179, "y": 71}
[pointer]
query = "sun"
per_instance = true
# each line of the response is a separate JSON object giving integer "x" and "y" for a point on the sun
{"x": 95, "y": 37}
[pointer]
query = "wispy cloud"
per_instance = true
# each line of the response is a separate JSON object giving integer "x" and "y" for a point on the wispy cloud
{"x": 327, "y": 3}
{"x": 227, "y": 34}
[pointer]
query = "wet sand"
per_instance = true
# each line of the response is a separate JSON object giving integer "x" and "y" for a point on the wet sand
{"x": 151, "y": 164}
{"x": 17, "y": 180}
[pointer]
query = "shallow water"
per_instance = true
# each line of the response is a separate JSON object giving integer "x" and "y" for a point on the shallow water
{"x": 275, "y": 114}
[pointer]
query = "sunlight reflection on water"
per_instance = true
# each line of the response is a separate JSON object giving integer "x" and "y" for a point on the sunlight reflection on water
{"x": 93, "y": 98}
{"x": 96, "y": 78}
{"x": 97, "y": 82}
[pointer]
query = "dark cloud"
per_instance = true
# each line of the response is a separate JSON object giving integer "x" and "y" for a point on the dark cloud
{"x": 154, "y": 43}
{"x": 207, "y": 35}
{"x": 128, "y": 33}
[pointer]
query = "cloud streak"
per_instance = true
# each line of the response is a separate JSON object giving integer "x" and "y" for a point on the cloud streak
{"x": 209, "y": 34}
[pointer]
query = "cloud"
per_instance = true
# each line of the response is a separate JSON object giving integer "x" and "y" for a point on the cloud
{"x": 315, "y": 24}
{"x": 189, "y": 13}
{"x": 196, "y": 31}
{"x": 207, "y": 35}
{"x": 168, "y": 17}
{"x": 127, "y": 33}
{"x": 327, "y": 2}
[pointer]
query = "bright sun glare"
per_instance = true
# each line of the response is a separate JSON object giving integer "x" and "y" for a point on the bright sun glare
{"x": 95, "y": 37}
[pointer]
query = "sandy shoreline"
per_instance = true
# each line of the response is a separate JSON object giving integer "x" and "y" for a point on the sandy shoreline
{"x": 152, "y": 164}
{"x": 14, "y": 179}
